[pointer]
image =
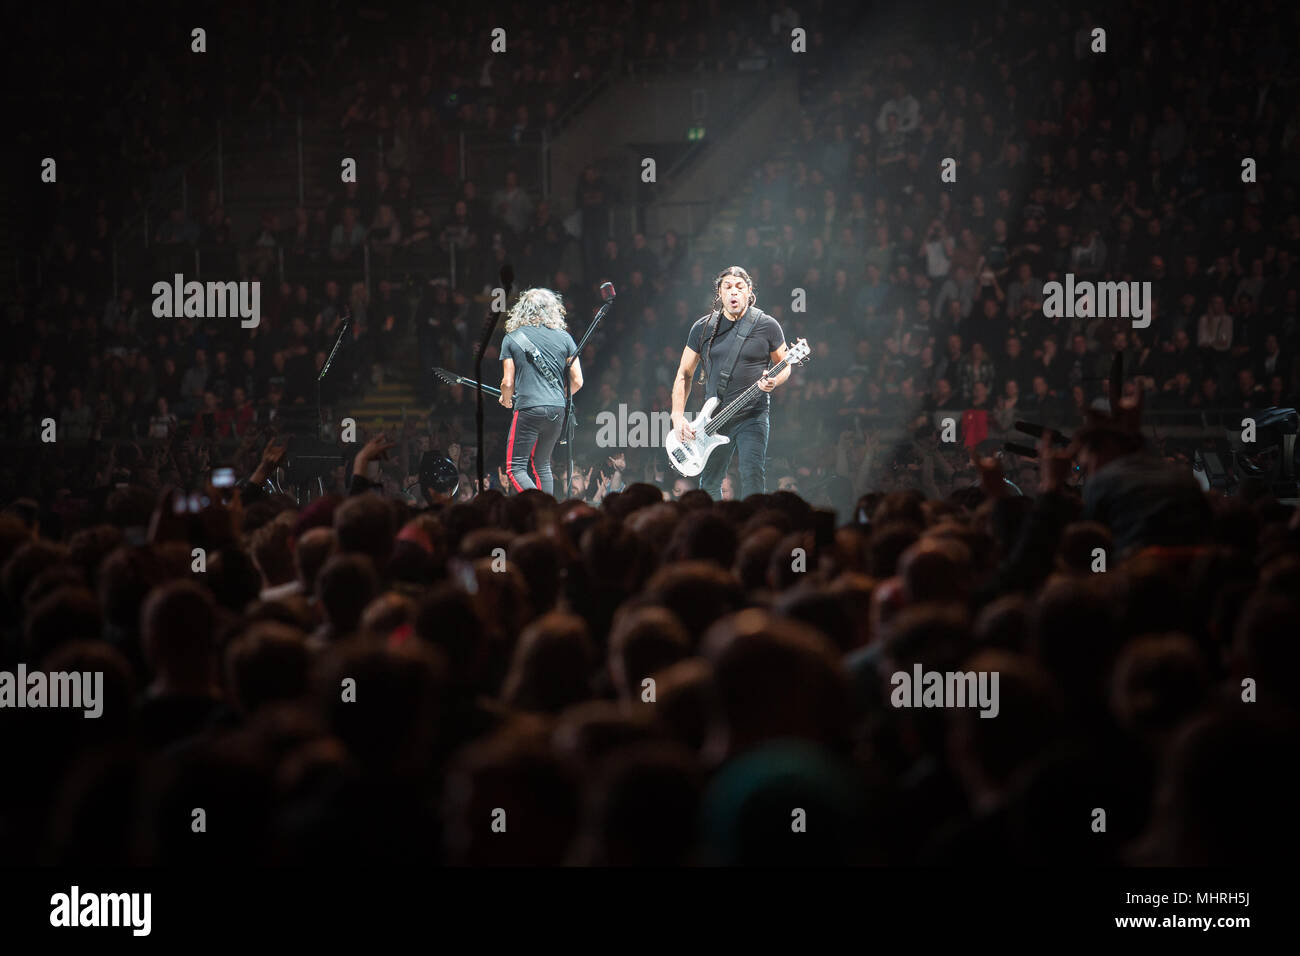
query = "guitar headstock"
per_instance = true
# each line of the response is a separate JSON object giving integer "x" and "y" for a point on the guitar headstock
{"x": 799, "y": 353}
{"x": 451, "y": 378}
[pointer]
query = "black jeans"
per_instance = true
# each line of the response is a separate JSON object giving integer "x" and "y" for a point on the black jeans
{"x": 749, "y": 440}
{"x": 533, "y": 434}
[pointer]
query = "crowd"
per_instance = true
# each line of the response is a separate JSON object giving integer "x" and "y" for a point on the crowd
{"x": 520, "y": 680}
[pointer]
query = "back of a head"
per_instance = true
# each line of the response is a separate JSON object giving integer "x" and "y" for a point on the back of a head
{"x": 365, "y": 525}
{"x": 346, "y": 584}
{"x": 268, "y": 663}
{"x": 13, "y": 534}
{"x": 763, "y": 785}
{"x": 88, "y": 547}
{"x": 697, "y": 592}
{"x": 125, "y": 577}
{"x": 1264, "y": 646}
{"x": 386, "y": 614}
{"x": 446, "y": 619}
{"x": 1159, "y": 681}
{"x": 794, "y": 556}
{"x": 392, "y": 721}
{"x": 1004, "y": 623}
{"x": 28, "y": 561}
{"x": 696, "y": 499}
{"x": 314, "y": 548}
{"x": 233, "y": 578}
{"x": 1204, "y": 816}
{"x": 1073, "y": 635}
{"x": 886, "y": 547}
{"x": 178, "y": 622}
{"x": 271, "y": 546}
{"x": 1025, "y": 724}
{"x": 900, "y": 506}
{"x": 552, "y": 665}
{"x": 684, "y": 701}
{"x": 643, "y": 807}
{"x": 518, "y": 774}
{"x": 642, "y": 642}
{"x": 775, "y": 678}
{"x": 703, "y": 536}
{"x": 482, "y": 542}
{"x": 820, "y": 608}
{"x": 1078, "y": 551}
{"x": 64, "y": 615}
{"x": 753, "y": 557}
{"x": 588, "y": 733}
{"x": 935, "y": 570}
{"x": 541, "y": 562}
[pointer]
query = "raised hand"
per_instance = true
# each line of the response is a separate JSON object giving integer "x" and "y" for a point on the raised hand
{"x": 376, "y": 449}
{"x": 1054, "y": 465}
{"x": 272, "y": 455}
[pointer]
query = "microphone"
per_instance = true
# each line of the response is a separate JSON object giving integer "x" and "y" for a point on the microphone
{"x": 607, "y": 291}
{"x": 1018, "y": 449}
{"x": 1038, "y": 431}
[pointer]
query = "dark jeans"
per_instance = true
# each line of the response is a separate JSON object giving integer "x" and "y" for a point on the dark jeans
{"x": 533, "y": 434}
{"x": 749, "y": 439}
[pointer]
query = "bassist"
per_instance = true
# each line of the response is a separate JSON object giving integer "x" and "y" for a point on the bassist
{"x": 737, "y": 342}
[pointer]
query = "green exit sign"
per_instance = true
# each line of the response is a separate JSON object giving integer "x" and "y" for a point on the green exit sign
{"x": 695, "y": 133}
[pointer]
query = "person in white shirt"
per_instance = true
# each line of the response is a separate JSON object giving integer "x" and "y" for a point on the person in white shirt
{"x": 1214, "y": 331}
{"x": 903, "y": 105}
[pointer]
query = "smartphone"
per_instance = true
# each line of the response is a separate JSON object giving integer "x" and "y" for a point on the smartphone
{"x": 462, "y": 572}
{"x": 223, "y": 477}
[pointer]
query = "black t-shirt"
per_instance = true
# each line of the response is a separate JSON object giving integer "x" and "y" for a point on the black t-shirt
{"x": 531, "y": 389}
{"x": 754, "y": 358}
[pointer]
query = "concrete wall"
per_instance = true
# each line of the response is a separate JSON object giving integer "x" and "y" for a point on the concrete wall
{"x": 634, "y": 110}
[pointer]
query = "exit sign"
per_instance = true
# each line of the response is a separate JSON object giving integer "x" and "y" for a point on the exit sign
{"x": 695, "y": 133}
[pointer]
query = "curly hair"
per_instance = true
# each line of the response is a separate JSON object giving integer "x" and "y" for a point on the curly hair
{"x": 537, "y": 307}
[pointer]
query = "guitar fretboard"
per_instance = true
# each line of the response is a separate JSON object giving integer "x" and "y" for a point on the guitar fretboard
{"x": 740, "y": 400}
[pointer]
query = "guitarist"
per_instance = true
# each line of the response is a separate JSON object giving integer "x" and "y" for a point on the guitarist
{"x": 738, "y": 342}
{"x": 533, "y": 354}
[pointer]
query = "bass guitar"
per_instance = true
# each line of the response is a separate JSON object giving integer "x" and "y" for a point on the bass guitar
{"x": 688, "y": 457}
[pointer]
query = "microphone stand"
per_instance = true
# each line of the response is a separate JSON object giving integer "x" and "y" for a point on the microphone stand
{"x": 569, "y": 418}
{"x": 507, "y": 277}
{"x": 324, "y": 370}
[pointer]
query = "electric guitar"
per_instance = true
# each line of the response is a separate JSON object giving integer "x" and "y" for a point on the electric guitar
{"x": 451, "y": 378}
{"x": 688, "y": 457}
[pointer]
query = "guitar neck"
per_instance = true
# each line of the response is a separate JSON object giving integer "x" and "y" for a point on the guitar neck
{"x": 735, "y": 404}
{"x": 451, "y": 378}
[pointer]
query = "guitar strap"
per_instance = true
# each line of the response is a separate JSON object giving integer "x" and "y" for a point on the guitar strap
{"x": 747, "y": 325}
{"x": 535, "y": 356}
